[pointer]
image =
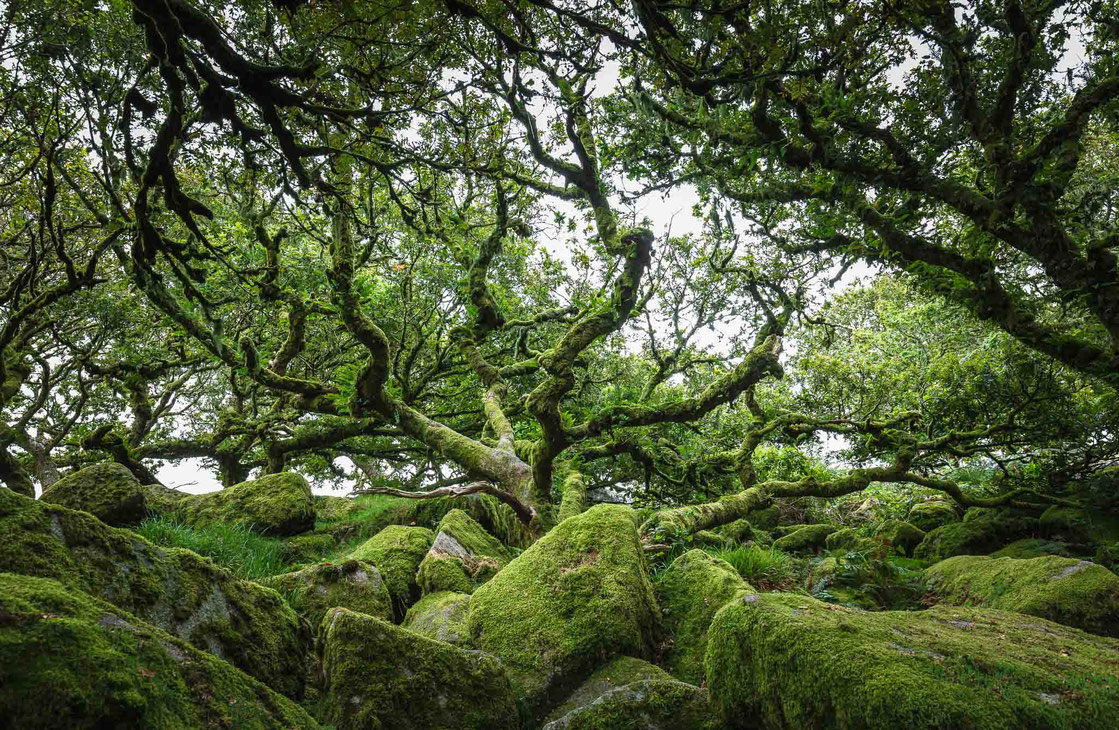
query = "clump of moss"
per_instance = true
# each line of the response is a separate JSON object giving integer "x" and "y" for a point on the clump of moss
{"x": 576, "y": 598}
{"x": 441, "y": 616}
{"x": 108, "y": 491}
{"x": 420, "y": 683}
{"x": 982, "y": 531}
{"x": 309, "y": 548}
{"x": 70, "y": 660}
{"x": 690, "y": 592}
{"x": 462, "y": 557}
{"x": 901, "y": 536}
{"x": 276, "y": 504}
{"x": 176, "y": 590}
{"x": 804, "y": 538}
{"x": 1072, "y": 524}
{"x": 788, "y": 661}
{"x": 651, "y": 704}
{"x": 932, "y": 514}
{"x": 397, "y": 551}
{"x": 1033, "y": 547}
{"x": 350, "y": 584}
{"x": 1072, "y": 592}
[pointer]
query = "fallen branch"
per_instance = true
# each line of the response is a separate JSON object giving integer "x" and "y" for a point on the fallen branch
{"x": 524, "y": 513}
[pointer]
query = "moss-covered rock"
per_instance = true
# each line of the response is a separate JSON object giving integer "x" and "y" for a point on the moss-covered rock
{"x": 740, "y": 531}
{"x": 901, "y": 536}
{"x": 175, "y": 590}
{"x": 333, "y": 508}
{"x": 1069, "y": 524}
{"x": 711, "y": 539}
{"x": 108, "y": 491}
{"x": 161, "y": 500}
{"x": 462, "y": 556}
{"x": 397, "y": 551}
{"x": 1033, "y": 547}
{"x": 690, "y": 592}
{"x": 932, "y": 514}
{"x": 765, "y": 519}
{"x": 350, "y": 584}
{"x": 614, "y": 674}
{"x": 649, "y": 704}
{"x": 1071, "y": 592}
{"x": 804, "y": 538}
{"x": 780, "y": 660}
{"x": 276, "y": 504}
{"x": 578, "y": 597}
{"x": 309, "y": 548}
{"x": 441, "y": 616}
{"x": 68, "y": 660}
{"x": 982, "y": 531}
{"x": 848, "y": 539}
{"x": 377, "y": 675}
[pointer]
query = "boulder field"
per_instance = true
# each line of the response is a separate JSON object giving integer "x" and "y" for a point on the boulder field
{"x": 444, "y": 624}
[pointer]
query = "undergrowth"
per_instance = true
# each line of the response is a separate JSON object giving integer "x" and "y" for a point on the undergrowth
{"x": 234, "y": 547}
{"x": 764, "y": 568}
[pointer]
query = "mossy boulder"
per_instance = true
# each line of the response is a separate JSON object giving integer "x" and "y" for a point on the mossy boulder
{"x": 462, "y": 556}
{"x": 932, "y": 514}
{"x": 690, "y": 592}
{"x": 1071, "y": 592}
{"x": 982, "y": 531}
{"x": 901, "y": 536}
{"x": 175, "y": 590}
{"x": 575, "y": 599}
{"x": 848, "y": 539}
{"x": 309, "y": 548}
{"x": 1070, "y": 524}
{"x": 1033, "y": 547}
{"x": 68, "y": 660}
{"x": 649, "y": 704}
{"x": 765, "y": 519}
{"x": 161, "y": 500}
{"x": 350, "y": 584}
{"x": 276, "y": 504}
{"x": 780, "y": 660}
{"x": 377, "y": 675}
{"x": 441, "y": 616}
{"x": 614, "y": 674}
{"x": 108, "y": 491}
{"x": 397, "y": 551}
{"x": 742, "y": 530}
{"x": 334, "y": 508}
{"x": 804, "y": 538}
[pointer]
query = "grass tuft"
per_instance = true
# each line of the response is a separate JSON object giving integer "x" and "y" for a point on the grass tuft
{"x": 761, "y": 567}
{"x": 243, "y": 553}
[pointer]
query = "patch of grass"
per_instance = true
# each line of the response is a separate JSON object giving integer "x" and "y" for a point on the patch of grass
{"x": 762, "y": 567}
{"x": 243, "y": 553}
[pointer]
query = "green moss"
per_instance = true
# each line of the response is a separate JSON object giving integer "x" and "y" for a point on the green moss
{"x": 1073, "y": 524}
{"x": 351, "y": 584}
{"x": 690, "y": 592}
{"x": 160, "y": 500}
{"x": 982, "y": 531}
{"x": 397, "y": 551}
{"x": 1072, "y": 592}
{"x": 788, "y": 661}
{"x": 175, "y": 590}
{"x": 616, "y": 673}
{"x": 765, "y": 519}
{"x": 901, "y": 536}
{"x": 848, "y": 539}
{"x": 574, "y": 496}
{"x": 707, "y": 538}
{"x": 650, "y": 704}
{"x": 440, "y": 572}
{"x": 108, "y": 491}
{"x": 577, "y": 597}
{"x": 1032, "y": 547}
{"x": 420, "y": 683}
{"x": 462, "y": 557}
{"x": 441, "y": 616}
{"x": 276, "y": 504}
{"x": 932, "y": 514}
{"x": 870, "y": 580}
{"x": 804, "y": 537}
{"x": 70, "y": 660}
{"x": 334, "y": 508}
{"x": 309, "y": 548}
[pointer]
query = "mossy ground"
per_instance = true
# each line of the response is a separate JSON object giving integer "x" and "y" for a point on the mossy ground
{"x": 787, "y": 661}
{"x": 68, "y": 660}
{"x": 575, "y": 599}
{"x": 1068, "y": 591}
{"x": 378, "y": 675}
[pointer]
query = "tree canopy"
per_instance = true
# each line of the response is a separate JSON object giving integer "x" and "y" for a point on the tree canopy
{"x": 403, "y": 244}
